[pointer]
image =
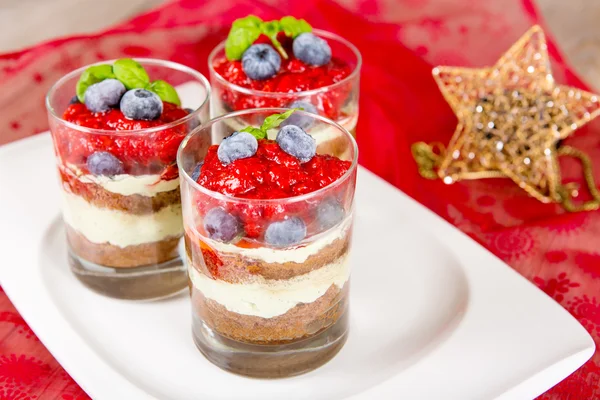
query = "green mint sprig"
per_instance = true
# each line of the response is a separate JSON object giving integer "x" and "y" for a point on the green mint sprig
{"x": 272, "y": 121}
{"x": 245, "y": 31}
{"x": 131, "y": 74}
{"x": 92, "y": 75}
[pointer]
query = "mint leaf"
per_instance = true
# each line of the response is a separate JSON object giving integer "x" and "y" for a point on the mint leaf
{"x": 131, "y": 73}
{"x": 293, "y": 27}
{"x": 93, "y": 74}
{"x": 239, "y": 40}
{"x": 271, "y": 29}
{"x": 251, "y": 21}
{"x": 273, "y": 121}
{"x": 256, "y": 132}
{"x": 165, "y": 91}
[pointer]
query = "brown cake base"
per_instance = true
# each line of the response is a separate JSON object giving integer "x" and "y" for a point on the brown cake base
{"x": 109, "y": 255}
{"x": 301, "y": 322}
{"x": 271, "y": 361}
{"x": 235, "y": 268}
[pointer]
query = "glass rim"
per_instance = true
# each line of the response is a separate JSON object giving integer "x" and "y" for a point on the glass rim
{"x": 220, "y": 196}
{"x": 143, "y": 131}
{"x": 329, "y": 35}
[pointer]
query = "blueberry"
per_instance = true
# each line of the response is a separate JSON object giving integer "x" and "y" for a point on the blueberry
{"x": 311, "y": 49}
{"x": 220, "y": 225}
{"x": 194, "y": 122}
{"x": 103, "y": 95}
{"x": 329, "y": 213}
{"x": 260, "y": 61}
{"x": 238, "y": 145}
{"x": 303, "y": 121}
{"x": 141, "y": 104}
{"x": 285, "y": 233}
{"x": 196, "y": 172}
{"x": 74, "y": 100}
{"x": 104, "y": 163}
{"x": 294, "y": 141}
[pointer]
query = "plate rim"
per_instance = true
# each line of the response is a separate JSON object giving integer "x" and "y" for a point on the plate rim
{"x": 63, "y": 343}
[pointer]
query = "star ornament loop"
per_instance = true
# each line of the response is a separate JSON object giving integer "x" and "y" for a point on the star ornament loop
{"x": 510, "y": 119}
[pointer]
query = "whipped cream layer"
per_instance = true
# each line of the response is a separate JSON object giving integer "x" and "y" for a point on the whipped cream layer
{"x": 127, "y": 185}
{"x": 295, "y": 254}
{"x": 122, "y": 229}
{"x": 270, "y": 298}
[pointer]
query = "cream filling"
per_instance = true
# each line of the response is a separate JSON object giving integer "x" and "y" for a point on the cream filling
{"x": 298, "y": 254}
{"x": 271, "y": 298}
{"x": 122, "y": 229}
{"x": 127, "y": 185}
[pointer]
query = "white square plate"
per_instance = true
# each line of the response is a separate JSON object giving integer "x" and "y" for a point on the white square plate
{"x": 433, "y": 314}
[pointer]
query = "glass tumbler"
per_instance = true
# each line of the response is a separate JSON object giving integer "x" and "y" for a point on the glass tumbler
{"x": 337, "y": 101}
{"x": 123, "y": 231}
{"x": 260, "y": 310}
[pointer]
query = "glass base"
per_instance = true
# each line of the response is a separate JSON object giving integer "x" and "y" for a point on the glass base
{"x": 270, "y": 361}
{"x": 149, "y": 282}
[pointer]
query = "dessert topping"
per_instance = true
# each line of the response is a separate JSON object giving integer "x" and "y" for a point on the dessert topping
{"x": 260, "y": 62}
{"x": 130, "y": 74}
{"x": 237, "y": 146}
{"x": 104, "y": 95}
{"x": 329, "y": 213}
{"x": 104, "y": 163}
{"x": 301, "y": 120}
{"x": 285, "y": 233}
{"x": 272, "y": 121}
{"x": 196, "y": 171}
{"x": 93, "y": 74}
{"x": 221, "y": 226}
{"x": 141, "y": 104}
{"x": 311, "y": 49}
{"x": 296, "y": 142}
{"x": 245, "y": 31}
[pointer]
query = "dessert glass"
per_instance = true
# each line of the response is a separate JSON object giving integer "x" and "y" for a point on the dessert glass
{"x": 123, "y": 231}
{"x": 338, "y": 101}
{"x": 260, "y": 310}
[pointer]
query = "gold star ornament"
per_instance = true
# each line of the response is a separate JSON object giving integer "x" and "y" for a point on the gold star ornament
{"x": 511, "y": 116}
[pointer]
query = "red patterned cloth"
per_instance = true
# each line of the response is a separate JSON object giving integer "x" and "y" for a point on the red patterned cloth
{"x": 400, "y": 41}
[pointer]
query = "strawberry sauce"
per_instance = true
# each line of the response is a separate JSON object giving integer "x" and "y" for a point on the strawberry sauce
{"x": 140, "y": 153}
{"x": 270, "y": 173}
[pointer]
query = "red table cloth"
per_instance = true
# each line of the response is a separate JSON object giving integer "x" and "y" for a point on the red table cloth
{"x": 400, "y": 41}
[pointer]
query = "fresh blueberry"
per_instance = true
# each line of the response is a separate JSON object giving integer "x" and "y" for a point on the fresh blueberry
{"x": 260, "y": 61}
{"x": 196, "y": 172}
{"x": 329, "y": 213}
{"x": 220, "y": 225}
{"x": 311, "y": 49}
{"x": 194, "y": 122}
{"x": 238, "y": 145}
{"x": 74, "y": 100}
{"x": 104, "y": 163}
{"x": 285, "y": 233}
{"x": 303, "y": 121}
{"x": 103, "y": 95}
{"x": 141, "y": 104}
{"x": 294, "y": 141}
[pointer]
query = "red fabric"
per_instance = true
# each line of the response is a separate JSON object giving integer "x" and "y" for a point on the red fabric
{"x": 400, "y": 41}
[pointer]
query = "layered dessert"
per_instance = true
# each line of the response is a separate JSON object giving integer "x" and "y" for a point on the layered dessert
{"x": 116, "y": 148}
{"x": 269, "y": 238}
{"x": 284, "y": 63}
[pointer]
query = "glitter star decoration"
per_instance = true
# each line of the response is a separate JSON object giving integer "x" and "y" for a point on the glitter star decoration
{"x": 511, "y": 117}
